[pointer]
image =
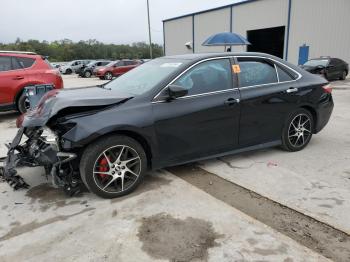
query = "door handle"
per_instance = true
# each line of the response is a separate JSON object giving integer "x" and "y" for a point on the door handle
{"x": 232, "y": 101}
{"x": 292, "y": 90}
{"x": 18, "y": 78}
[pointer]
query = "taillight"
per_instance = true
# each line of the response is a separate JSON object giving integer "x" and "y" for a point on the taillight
{"x": 327, "y": 88}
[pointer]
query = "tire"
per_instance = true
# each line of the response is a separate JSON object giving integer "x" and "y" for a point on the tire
{"x": 295, "y": 137}
{"x": 343, "y": 75}
{"x": 69, "y": 71}
{"x": 87, "y": 74}
{"x": 108, "y": 76}
{"x": 101, "y": 157}
{"x": 22, "y": 104}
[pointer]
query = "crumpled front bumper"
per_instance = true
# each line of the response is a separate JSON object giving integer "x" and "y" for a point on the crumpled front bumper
{"x": 37, "y": 151}
{"x": 8, "y": 170}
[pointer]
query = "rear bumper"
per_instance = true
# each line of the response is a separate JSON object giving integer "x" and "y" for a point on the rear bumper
{"x": 324, "y": 112}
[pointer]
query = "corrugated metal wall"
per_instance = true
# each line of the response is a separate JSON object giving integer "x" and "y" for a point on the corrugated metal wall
{"x": 323, "y": 25}
{"x": 210, "y": 23}
{"x": 176, "y": 34}
{"x": 259, "y": 15}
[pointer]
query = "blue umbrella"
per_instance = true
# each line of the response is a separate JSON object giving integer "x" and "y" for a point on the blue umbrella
{"x": 225, "y": 39}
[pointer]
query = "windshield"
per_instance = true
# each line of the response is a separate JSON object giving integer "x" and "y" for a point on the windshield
{"x": 317, "y": 62}
{"x": 146, "y": 76}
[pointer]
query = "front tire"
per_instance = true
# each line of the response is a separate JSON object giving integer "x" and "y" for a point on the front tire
{"x": 343, "y": 76}
{"x": 297, "y": 131}
{"x": 87, "y": 74}
{"x": 113, "y": 166}
{"x": 69, "y": 71}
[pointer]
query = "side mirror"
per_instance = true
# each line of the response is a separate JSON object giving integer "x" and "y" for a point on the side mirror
{"x": 176, "y": 91}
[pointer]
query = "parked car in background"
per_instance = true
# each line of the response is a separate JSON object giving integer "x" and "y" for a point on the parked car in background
{"x": 86, "y": 71}
{"x": 21, "y": 69}
{"x": 169, "y": 111}
{"x": 70, "y": 67}
{"x": 116, "y": 68}
{"x": 331, "y": 68}
{"x": 57, "y": 64}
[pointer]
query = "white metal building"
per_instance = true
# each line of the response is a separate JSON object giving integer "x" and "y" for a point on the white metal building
{"x": 291, "y": 29}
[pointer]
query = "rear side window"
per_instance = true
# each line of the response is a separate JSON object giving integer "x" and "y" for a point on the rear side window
{"x": 209, "y": 76}
{"x": 255, "y": 71}
{"x": 15, "y": 64}
{"x": 284, "y": 74}
{"x": 5, "y": 63}
{"x": 25, "y": 61}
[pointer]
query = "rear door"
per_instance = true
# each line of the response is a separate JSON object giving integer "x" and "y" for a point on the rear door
{"x": 12, "y": 77}
{"x": 268, "y": 93}
{"x": 202, "y": 123}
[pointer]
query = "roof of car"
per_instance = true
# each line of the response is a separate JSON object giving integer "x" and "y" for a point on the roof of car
{"x": 17, "y": 52}
{"x": 199, "y": 56}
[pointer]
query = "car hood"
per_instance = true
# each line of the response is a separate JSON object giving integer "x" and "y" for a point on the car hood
{"x": 69, "y": 102}
{"x": 311, "y": 69}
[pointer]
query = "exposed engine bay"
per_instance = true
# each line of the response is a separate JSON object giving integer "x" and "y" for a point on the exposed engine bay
{"x": 40, "y": 148}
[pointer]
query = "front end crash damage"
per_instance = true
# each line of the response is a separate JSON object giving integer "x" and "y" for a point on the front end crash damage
{"x": 40, "y": 148}
{"x": 40, "y": 139}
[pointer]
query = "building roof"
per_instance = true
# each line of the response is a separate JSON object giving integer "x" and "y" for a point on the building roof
{"x": 209, "y": 10}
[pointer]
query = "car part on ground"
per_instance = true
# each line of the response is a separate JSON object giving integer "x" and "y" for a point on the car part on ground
{"x": 169, "y": 111}
{"x": 18, "y": 70}
{"x": 329, "y": 67}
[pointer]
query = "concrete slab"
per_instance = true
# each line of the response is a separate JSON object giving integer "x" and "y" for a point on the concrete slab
{"x": 314, "y": 181}
{"x": 44, "y": 225}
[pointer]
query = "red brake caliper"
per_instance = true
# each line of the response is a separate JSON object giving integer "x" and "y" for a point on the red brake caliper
{"x": 103, "y": 167}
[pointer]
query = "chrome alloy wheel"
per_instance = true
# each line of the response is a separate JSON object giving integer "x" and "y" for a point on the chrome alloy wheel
{"x": 117, "y": 169}
{"x": 109, "y": 76}
{"x": 299, "y": 132}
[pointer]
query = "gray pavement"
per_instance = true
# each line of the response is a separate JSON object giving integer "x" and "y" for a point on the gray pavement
{"x": 168, "y": 219}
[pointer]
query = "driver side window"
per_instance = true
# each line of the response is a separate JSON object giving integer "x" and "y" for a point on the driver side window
{"x": 209, "y": 76}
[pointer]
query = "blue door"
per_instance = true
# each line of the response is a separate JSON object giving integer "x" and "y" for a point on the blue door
{"x": 303, "y": 54}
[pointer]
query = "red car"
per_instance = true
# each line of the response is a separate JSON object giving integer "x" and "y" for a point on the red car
{"x": 21, "y": 69}
{"x": 115, "y": 68}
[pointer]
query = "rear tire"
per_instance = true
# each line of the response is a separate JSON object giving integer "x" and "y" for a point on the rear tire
{"x": 297, "y": 131}
{"x": 22, "y": 103}
{"x": 114, "y": 157}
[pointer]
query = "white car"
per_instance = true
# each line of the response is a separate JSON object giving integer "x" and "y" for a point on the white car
{"x": 70, "y": 67}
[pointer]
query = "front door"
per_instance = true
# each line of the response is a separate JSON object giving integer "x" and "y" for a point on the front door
{"x": 205, "y": 121}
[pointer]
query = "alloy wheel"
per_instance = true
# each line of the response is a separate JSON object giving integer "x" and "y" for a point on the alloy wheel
{"x": 109, "y": 76}
{"x": 299, "y": 132}
{"x": 117, "y": 169}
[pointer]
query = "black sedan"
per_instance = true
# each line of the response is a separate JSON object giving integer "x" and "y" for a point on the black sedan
{"x": 169, "y": 111}
{"x": 330, "y": 68}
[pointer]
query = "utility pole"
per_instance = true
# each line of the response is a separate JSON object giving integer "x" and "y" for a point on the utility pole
{"x": 149, "y": 31}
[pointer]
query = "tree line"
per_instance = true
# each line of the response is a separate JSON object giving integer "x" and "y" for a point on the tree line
{"x": 67, "y": 50}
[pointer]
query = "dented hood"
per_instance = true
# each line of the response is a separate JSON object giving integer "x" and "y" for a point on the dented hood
{"x": 71, "y": 101}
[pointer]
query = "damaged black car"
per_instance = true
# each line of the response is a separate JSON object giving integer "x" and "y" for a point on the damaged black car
{"x": 169, "y": 111}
